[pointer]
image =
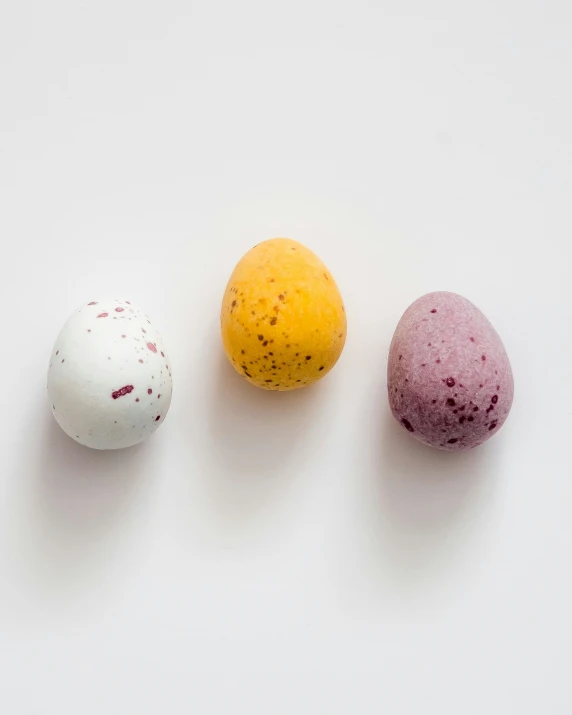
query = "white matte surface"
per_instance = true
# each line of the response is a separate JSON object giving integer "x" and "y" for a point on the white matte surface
{"x": 109, "y": 380}
{"x": 280, "y": 554}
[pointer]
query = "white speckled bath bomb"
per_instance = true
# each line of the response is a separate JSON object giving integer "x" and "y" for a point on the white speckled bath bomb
{"x": 109, "y": 380}
{"x": 449, "y": 378}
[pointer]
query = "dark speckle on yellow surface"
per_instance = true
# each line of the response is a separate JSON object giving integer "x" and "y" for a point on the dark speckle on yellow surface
{"x": 286, "y": 277}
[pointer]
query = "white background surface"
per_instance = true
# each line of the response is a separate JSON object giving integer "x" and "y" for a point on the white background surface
{"x": 286, "y": 553}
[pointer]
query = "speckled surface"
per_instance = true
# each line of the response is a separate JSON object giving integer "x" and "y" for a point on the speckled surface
{"x": 449, "y": 378}
{"x": 283, "y": 321}
{"x": 109, "y": 379}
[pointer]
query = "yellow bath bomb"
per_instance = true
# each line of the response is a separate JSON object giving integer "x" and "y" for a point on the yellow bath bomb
{"x": 283, "y": 321}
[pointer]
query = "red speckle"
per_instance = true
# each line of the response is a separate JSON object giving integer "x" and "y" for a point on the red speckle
{"x": 137, "y": 400}
{"x": 434, "y": 310}
{"x": 493, "y": 425}
{"x": 119, "y": 310}
{"x": 158, "y": 397}
{"x": 157, "y": 418}
{"x": 93, "y": 302}
{"x": 149, "y": 391}
{"x": 495, "y": 399}
{"x": 498, "y": 387}
{"x": 452, "y": 441}
{"x": 89, "y": 330}
{"x": 151, "y": 347}
{"x": 437, "y": 361}
{"x": 103, "y": 315}
{"x": 123, "y": 391}
{"x": 472, "y": 340}
{"x": 483, "y": 357}
{"x": 451, "y": 402}
{"x": 450, "y": 382}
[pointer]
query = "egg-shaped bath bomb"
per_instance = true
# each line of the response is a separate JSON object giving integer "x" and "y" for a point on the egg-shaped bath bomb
{"x": 449, "y": 378}
{"x": 109, "y": 380}
{"x": 283, "y": 321}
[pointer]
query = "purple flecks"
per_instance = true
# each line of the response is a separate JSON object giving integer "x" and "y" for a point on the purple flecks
{"x": 454, "y": 440}
{"x": 492, "y": 425}
{"x": 103, "y": 315}
{"x": 122, "y": 391}
{"x": 157, "y": 418}
{"x": 141, "y": 361}
{"x": 119, "y": 310}
{"x": 450, "y": 382}
{"x": 149, "y": 391}
{"x": 451, "y": 402}
{"x": 494, "y": 399}
{"x": 93, "y": 302}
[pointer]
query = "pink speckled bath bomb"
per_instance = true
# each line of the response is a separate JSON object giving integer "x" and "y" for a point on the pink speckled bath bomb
{"x": 449, "y": 378}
